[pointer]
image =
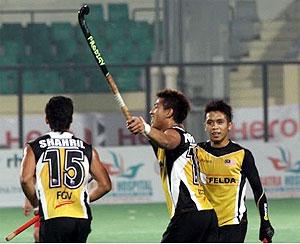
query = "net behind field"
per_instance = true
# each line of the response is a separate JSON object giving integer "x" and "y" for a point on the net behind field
{"x": 147, "y": 222}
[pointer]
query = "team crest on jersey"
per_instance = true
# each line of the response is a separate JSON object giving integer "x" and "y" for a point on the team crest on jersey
{"x": 229, "y": 162}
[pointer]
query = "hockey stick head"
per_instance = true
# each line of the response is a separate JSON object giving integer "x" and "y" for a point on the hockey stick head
{"x": 83, "y": 11}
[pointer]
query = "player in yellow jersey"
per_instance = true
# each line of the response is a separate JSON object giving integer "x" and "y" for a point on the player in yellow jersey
{"x": 54, "y": 176}
{"x": 225, "y": 166}
{"x": 192, "y": 216}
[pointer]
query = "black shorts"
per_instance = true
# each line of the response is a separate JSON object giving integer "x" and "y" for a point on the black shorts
{"x": 65, "y": 229}
{"x": 234, "y": 233}
{"x": 193, "y": 226}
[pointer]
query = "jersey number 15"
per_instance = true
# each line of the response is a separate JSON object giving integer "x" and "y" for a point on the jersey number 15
{"x": 72, "y": 174}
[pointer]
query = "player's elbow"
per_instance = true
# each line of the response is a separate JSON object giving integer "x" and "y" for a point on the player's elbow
{"x": 100, "y": 190}
{"x": 107, "y": 186}
{"x": 168, "y": 145}
{"x": 104, "y": 187}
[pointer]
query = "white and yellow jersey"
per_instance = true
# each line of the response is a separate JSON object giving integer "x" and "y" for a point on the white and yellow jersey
{"x": 180, "y": 177}
{"x": 62, "y": 170}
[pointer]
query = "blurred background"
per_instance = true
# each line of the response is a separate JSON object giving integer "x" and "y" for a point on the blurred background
{"x": 243, "y": 51}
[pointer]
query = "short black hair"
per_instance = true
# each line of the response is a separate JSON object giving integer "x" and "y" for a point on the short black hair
{"x": 59, "y": 113}
{"x": 219, "y": 105}
{"x": 177, "y": 101}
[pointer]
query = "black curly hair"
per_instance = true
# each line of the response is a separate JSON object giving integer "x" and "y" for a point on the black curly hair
{"x": 177, "y": 101}
{"x": 219, "y": 105}
{"x": 59, "y": 113}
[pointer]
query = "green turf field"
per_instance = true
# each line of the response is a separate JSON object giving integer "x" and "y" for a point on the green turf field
{"x": 146, "y": 222}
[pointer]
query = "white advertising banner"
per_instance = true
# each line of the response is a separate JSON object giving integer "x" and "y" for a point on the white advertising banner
{"x": 99, "y": 129}
{"x": 135, "y": 177}
{"x": 133, "y": 172}
{"x": 10, "y": 189}
{"x": 109, "y": 129}
{"x": 279, "y": 167}
{"x": 132, "y": 169}
{"x": 34, "y": 126}
{"x": 283, "y": 123}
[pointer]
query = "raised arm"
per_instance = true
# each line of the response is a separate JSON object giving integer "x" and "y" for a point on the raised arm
{"x": 168, "y": 139}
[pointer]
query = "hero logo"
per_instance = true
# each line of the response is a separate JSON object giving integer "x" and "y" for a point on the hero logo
{"x": 277, "y": 128}
{"x": 95, "y": 50}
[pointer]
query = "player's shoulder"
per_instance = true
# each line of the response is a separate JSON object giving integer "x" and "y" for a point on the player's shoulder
{"x": 186, "y": 136}
{"x": 204, "y": 144}
{"x": 85, "y": 144}
{"x": 39, "y": 138}
{"x": 237, "y": 146}
{"x": 178, "y": 129}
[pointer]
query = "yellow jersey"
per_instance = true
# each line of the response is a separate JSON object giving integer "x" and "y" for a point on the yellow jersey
{"x": 224, "y": 172}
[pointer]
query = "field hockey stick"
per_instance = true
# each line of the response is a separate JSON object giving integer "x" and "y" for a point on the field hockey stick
{"x": 22, "y": 228}
{"x": 100, "y": 61}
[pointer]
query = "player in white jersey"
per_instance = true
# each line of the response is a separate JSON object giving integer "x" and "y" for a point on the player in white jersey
{"x": 54, "y": 177}
{"x": 193, "y": 218}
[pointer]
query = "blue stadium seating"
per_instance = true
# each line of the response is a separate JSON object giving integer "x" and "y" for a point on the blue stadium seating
{"x": 120, "y": 39}
{"x": 8, "y": 82}
{"x": 118, "y": 12}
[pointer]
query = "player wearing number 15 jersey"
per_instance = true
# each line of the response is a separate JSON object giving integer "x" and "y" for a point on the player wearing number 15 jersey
{"x": 192, "y": 216}
{"x": 54, "y": 177}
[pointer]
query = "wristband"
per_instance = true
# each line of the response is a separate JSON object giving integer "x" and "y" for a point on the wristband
{"x": 147, "y": 128}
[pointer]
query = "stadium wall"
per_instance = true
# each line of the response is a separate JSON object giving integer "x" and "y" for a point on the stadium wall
{"x": 100, "y": 102}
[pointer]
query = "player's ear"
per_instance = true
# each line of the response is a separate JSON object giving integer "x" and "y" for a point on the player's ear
{"x": 204, "y": 125}
{"x": 46, "y": 120}
{"x": 169, "y": 112}
{"x": 229, "y": 125}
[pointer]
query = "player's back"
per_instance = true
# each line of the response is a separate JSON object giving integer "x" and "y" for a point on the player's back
{"x": 62, "y": 169}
